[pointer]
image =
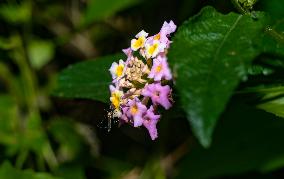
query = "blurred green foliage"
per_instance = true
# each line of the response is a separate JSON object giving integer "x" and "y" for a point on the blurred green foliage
{"x": 16, "y": 13}
{"x": 52, "y": 111}
{"x": 40, "y": 52}
{"x": 8, "y": 172}
{"x": 98, "y": 10}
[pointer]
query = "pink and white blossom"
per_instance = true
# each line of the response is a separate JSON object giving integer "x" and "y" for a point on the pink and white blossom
{"x": 117, "y": 69}
{"x": 150, "y": 122}
{"x": 136, "y": 111}
{"x": 137, "y": 89}
{"x": 160, "y": 69}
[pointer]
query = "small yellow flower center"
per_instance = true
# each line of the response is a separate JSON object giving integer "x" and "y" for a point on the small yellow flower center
{"x": 134, "y": 109}
{"x": 153, "y": 48}
{"x": 157, "y": 37}
{"x": 119, "y": 70}
{"x": 139, "y": 42}
{"x": 115, "y": 99}
{"x": 158, "y": 68}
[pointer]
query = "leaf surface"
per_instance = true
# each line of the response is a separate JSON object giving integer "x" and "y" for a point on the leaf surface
{"x": 89, "y": 79}
{"x": 209, "y": 57}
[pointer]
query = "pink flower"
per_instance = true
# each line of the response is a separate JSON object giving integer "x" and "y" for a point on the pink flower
{"x": 150, "y": 122}
{"x": 154, "y": 48}
{"x": 124, "y": 117}
{"x": 162, "y": 37}
{"x": 168, "y": 28}
{"x": 136, "y": 110}
{"x": 159, "y": 94}
{"x": 160, "y": 69}
{"x": 127, "y": 52}
{"x": 137, "y": 81}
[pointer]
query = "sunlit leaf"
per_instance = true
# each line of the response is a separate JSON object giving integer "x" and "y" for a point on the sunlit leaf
{"x": 274, "y": 106}
{"x": 40, "y": 52}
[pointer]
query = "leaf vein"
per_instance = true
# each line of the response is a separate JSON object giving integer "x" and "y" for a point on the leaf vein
{"x": 219, "y": 48}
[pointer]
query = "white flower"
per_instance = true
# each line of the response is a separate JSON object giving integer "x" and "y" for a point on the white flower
{"x": 117, "y": 70}
{"x": 116, "y": 96}
{"x": 142, "y": 33}
{"x": 152, "y": 50}
{"x": 140, "y": 41}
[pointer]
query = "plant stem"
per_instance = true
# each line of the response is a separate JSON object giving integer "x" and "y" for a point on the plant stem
{"x": 10, "y": 82}
{"x": 49, "y": 156}
{"x": 30, "y": 88}
{"x": 276, "y": 35}
{"x": 239, "y": 7}
{"x": 27, "y": 76}
{"x": 262, "y": 90}
{"x": 21, "y": 158}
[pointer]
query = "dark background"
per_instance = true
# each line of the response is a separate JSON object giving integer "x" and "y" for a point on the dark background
{"x": 53, "y": 34}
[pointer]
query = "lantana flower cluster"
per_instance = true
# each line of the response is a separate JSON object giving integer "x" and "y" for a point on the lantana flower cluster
{"x": 141, "y": 83}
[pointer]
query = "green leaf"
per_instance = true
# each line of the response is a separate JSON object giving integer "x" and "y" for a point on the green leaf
{"x": 9, "y": 43}
{"x": 88, "y": 79}
{"x": 246, "y": 139}
{"x": 16, "y": 13}
{"x": 274, "y": 7}
{"x": 273, "y": 40}
{"x": 259, "y": 70}
{"x": 40, "y": 52}
{"x": 210, "y": 56}
{"x": 274, "y": 106}
{"x": 100, "y": 9}
{"x": 272, "y": 99}
{"x": 8, "y": 172}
